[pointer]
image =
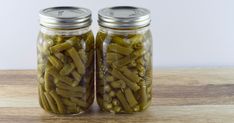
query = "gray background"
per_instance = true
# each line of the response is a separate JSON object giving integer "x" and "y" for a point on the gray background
{"x": 186, "y": 33}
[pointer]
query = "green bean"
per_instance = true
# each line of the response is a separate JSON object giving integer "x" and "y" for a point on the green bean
{"x": 51, "y": 102}
{"x": 118, "y": 84}
{"x": 90, "y": 58}
{"x": 79, "y": 102}
{"x": 61, "y": 57}
{"x": 117, "y": 109}
{"x": 77, "y": 76}
{"x": 69, "y": 88}
{"x": 40, "y": 100}
{"x": 76, "y": 58}
{"x": 133, "y": 77}
{"x": 130, "y": 97}
{"x": 67, "y": 69}
{"x": 58, "y": 101}
{"x": 139, "y": 53}
{"x": 124, "y": 61}
{"x": 144, "y": 98}
{"x": 59, "y": 39}
{"x": 55, "y": 62}
{"x": 123, "y": 101}
{"x": 66, "y": 79}
{"x": 110, "y": 57}
{"x": 112, "y": 93}
{"x": 119, "y": 49}
{"x": 136, "y": 39}
{"x": 140, "y": 61}
{"x": 107, "y": 105}
{"x": 120, "y": 76}
{"x": 55, "y": 74}
{"x": 83, "y": 55}
{"x": 120, "y": 41}
{"x": 146, "y": 105}
{"x": 43, "y": 99}
{"x": 41, "y": 80}
{"x": 67, "y": 94}
{"x": 68, "y": 102}
{"x": 48, "y": 82}
{"x": 60, "y": 47}
{"x": 89, "y": 38}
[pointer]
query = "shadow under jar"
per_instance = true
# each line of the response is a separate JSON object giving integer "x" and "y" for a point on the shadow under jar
{"x": 65, "y": 60}
{"x": 124, "y": 60}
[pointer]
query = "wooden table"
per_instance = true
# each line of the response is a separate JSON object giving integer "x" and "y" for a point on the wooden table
{"x": 179, "y": 96}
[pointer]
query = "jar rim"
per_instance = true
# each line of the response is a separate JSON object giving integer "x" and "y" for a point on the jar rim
{"x": 65, "y": 17}
{"x": 124, "y": 17}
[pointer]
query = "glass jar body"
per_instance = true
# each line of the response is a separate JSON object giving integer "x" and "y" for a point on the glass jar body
{"x": 124, "y": 69}
{"x": 65, "y": 70}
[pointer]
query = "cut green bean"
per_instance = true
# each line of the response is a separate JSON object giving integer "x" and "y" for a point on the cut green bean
{"x": 120, "y": 41}
{"x": 51, "y": 102}
{"x": 123, "y": 101}
{"x": 119, "y": 49}
{"x": 43, "y": 99}
{"x": 77, "y": 61}
{"x": 69, "y": 88}
{"x": 58, "y": 101}
{"x": 67, "y": 94}
{"x": 79, "y": 102}
{"x": 83, "y": 55}
{"x": 118, "y": 84}
{"x": 68, "y": 102}
{"x": 120, "y": 76}
{"x": 144, "y": 98}
{"x": 67, "y": 69}
{"x": 55, "y": 62}
{"x": 133, "y": 77}
{"x": 130, "y": 97}
{"x": 77, "y": 76}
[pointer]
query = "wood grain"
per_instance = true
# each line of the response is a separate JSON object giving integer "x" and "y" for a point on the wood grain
{"x": 193, "y": 95}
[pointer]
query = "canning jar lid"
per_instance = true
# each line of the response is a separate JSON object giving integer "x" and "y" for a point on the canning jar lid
{"x": 65, "y": 17}
{"x": 124, "y": 17}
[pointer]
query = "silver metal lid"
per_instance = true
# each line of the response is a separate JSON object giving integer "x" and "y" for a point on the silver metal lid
{"x": 65, "y": 17}
{"x": 124, "y": 17}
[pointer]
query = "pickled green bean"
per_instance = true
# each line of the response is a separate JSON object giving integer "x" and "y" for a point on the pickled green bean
{"x": 51, "y": 102}
{"x": 55, "y": 62}
{"x": 67, "y": 69}
{"x": 43, "y": 99}
{"x": 144, "y": 98}
{"x": 123, "y": 101}
{"x": 77, "y": 61}
{"x": 130, "y": 97}
{"x": 58, "y": 101}
{"x": 119, "y": 49}
{"x": 120, "y": 41}
{"x": 118, "y": 84}
{"x": 79, "y": 102}
{"x": 120, "y": 76}
{"x": 67, "y": 94}
{"x": 69, "y": 88}
{"x": 77, "y": 76}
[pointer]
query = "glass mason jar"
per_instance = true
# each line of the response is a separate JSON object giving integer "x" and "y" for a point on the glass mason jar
{"x": 65, "y": 60}
{"x": 124, "y": 60}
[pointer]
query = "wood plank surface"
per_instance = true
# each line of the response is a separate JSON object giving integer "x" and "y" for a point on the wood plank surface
{"x": 188, "y": 95}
